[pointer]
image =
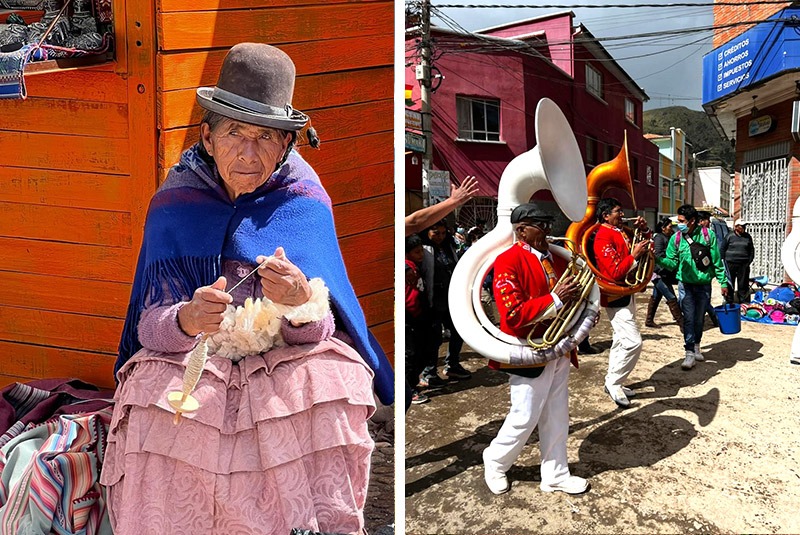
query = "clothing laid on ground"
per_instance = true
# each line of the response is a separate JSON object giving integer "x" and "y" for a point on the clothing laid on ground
{"x": 280, "y": 440}
{"x": 614, "y": 261}
{"x": 539, "y": 395}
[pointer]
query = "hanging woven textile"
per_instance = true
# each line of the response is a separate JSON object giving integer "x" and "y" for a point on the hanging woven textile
{"x": 12, "y": 68}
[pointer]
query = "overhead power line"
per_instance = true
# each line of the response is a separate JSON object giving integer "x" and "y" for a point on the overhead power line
{"x": 610, "y": 6}
{"x": 661, "y": 33}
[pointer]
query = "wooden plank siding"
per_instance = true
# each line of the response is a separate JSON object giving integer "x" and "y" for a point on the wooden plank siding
{"x": 84, "y": 153}
{"x": 78, "y": 168}
{"x": 203, "y": 30}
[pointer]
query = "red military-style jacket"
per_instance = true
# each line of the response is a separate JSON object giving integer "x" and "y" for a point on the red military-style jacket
{"x": 522, "y": 294}
{"x": 612, "y": 254}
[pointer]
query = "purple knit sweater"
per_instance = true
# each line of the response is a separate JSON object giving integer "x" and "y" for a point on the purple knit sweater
{"x": 159, "y": 329}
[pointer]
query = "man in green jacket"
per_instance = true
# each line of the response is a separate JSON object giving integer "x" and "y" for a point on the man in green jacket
{"x": 694, "y": 255}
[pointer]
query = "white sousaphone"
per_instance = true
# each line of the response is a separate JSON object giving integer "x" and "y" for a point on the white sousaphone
{"x": 790, "y": 251}
{"x": 555, "y": 164}
{"x": 790, "y": 256}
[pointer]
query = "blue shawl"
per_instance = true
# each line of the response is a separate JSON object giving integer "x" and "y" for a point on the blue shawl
{"x": 192, "y": 224}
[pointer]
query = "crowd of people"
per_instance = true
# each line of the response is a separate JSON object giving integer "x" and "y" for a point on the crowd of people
{"x": 431, "y": 257}
{"x": 687, "y": 253}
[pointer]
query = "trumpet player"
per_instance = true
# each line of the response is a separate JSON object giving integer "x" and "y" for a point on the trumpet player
{"x": 615, "y": 258}
{"x": 526, "y": 291}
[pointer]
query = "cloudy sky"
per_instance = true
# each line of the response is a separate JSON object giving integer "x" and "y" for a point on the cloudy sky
{"x": 668, "y": 67}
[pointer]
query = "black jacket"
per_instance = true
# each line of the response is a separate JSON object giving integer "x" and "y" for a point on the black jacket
{"x": 737, "y": 249}
{"x": 660, "y": 242}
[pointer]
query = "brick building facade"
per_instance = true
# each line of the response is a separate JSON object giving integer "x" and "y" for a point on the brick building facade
{"x": 751, "y": 92}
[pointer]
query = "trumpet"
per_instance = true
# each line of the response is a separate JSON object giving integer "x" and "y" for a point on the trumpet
{"x": 643, "y": 269}
{"x": 580, "y": 270}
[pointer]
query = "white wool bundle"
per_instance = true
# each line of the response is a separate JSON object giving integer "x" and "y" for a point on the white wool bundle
{"x": 255, "y": 327}
{"x": 315, "y": 309}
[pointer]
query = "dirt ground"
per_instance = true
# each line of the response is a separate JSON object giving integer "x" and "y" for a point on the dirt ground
{"x": 710, "y": 450}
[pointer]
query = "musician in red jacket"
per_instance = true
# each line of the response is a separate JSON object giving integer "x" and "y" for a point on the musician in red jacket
{"x": 527, "y": 294}
{"x": 614, "y": 260}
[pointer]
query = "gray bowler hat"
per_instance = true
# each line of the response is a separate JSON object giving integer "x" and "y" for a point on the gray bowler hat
{"x": 255, "y": 86}
{"x": 529, "y": 211}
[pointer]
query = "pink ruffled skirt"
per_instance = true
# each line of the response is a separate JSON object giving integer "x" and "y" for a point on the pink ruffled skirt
{"x": 280, "y": 441}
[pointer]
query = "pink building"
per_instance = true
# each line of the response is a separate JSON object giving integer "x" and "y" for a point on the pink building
{"x": 483, "y": 109}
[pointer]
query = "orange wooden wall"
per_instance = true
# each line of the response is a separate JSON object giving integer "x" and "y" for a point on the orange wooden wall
{"x": 84, "y": 153}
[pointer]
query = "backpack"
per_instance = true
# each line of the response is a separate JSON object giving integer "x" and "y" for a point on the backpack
{"x": 701, "y": 252}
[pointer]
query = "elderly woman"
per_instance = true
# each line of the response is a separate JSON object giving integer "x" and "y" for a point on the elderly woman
{"x": 240, "y": 254}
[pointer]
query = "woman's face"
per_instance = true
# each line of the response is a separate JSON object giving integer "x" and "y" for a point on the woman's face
{"x": 437, "y": 234}
{"x": 245, "y": 154}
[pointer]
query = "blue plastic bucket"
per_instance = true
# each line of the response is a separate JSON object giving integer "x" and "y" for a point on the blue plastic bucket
{"x": 730, "y": 322}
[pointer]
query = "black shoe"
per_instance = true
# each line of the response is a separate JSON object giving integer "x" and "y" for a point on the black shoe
{"x": 588, "y": 349}
{"x": 431, "y": 381}
{"x": 457, "y": 372}
{"x": 418, "y": 398}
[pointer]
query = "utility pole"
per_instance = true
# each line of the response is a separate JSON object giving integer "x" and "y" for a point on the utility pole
{"x": 423, "y": 75}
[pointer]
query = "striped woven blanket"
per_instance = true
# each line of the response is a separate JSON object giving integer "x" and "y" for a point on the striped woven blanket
{"x": 12, "y": 77}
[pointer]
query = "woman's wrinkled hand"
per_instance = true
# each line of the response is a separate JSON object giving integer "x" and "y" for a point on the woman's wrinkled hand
{"x": 205, "y": 311}
{"x": 282, "y": 281}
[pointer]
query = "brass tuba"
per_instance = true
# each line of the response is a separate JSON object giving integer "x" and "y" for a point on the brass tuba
{"x": 613, "y": 174}
{"x": 555, "y": 164}
{"x": 579, "y": 269}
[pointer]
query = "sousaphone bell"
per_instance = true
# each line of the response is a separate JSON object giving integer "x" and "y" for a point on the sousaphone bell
{"x": 554, "y": 164}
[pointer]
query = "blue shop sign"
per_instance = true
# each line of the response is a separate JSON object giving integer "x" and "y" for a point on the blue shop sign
{"x": 769, "y": 48}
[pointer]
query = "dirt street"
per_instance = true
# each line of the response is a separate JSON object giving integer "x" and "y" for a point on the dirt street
{"x": 710, "y": 450}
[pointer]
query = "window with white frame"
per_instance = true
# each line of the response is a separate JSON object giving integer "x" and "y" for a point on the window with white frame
{"x": 594, "y": 81}
{"x": 630, "y": 111}
{"x": 478, "y": 119}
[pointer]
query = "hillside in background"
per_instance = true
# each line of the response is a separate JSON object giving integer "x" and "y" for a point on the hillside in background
{"x": 699, "y": 131}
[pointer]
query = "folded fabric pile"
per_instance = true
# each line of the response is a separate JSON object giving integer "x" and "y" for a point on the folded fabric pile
{"x": 51, "y": 453}
{"x": 781, "y": 307}
{"x": 86, "y": 30}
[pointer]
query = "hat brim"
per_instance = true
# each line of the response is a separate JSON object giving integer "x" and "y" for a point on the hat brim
{"x": 293, "y": 123}
{"x": 535, "y": 219}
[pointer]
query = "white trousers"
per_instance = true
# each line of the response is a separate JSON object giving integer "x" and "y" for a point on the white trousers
{"x": 543, "y": 400}
{"x": 795, "y": 354}
{"x": 626, "y": 345}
